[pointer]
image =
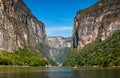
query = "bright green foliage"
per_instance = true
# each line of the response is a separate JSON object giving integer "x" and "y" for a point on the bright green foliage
{"x": 21, "y": 57}
{"x": 106, "y": 53}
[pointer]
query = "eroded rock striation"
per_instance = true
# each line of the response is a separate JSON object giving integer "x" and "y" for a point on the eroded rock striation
{"x": 18, "y": 27}
{"x": 96, "y": 23}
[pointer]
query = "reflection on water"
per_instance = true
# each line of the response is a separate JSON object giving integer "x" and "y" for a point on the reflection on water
{"x": 57, "y": 72}
{"x": 63, "y": 73}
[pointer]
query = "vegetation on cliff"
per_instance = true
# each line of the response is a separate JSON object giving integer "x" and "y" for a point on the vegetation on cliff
{"x": 99, "y": 7}
{"x": 22, "y": 57}
{"x": 106, "y": 53}
{"x": 62, "y": 55}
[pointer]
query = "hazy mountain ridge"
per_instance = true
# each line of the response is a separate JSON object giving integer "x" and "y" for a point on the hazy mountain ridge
{"x": 59, "y": 47}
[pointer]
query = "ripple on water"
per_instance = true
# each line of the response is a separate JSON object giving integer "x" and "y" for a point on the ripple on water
{"x": 62, "y": 74}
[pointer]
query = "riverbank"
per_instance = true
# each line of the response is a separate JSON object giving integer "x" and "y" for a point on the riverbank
{"x": 22, "y": 57}
{"x": 58, "y": 72}
{"x": 4, "y": 69}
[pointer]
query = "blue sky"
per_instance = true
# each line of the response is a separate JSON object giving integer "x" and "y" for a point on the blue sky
{"x": 58, "y": 15}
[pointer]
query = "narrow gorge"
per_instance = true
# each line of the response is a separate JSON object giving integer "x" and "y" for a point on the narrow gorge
{"x": 59, "y": 48}
{"x": 59, "y": 38}
{"x": 94, "y": 42}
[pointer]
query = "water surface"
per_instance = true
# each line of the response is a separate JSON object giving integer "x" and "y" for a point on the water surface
{"x": 57, "y": 72}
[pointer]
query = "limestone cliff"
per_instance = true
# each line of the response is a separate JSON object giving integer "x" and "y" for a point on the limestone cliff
{"x": 59, "y": 47}
{"x": 18, "y": 27}
{"x": 97, "y": 22}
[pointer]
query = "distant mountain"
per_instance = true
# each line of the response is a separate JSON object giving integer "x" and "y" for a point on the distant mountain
{"x": 59, "y": 48}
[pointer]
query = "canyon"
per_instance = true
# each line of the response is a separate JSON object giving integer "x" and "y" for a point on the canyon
{"x": 20, "y": 29}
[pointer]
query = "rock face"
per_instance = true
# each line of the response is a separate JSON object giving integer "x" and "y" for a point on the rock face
{"x": 96, "y": 23}
{"x": 18, "y": 27}
{"x": 58, "y": 47}
{"x": 59, "y": 42}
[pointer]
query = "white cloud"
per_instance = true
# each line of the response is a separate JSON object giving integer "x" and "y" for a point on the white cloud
{"x": 65, "y": 31}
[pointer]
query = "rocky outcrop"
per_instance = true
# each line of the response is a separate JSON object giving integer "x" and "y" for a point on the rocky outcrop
{"x": 96, "y": 23}
{"x": 18, "y": 27}
{"x": 58, "y": 48}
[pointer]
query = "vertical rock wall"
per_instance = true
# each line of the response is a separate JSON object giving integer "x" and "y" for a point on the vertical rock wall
{"x": 96, "y": 23}
{"x": 18, "y": 27}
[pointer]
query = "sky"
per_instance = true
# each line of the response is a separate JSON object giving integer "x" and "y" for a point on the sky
{"x": 58, "y": 15}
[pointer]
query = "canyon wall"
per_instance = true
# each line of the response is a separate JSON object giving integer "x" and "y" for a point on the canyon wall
{"x": 97, "y": 22}
{"x": 19, "y": 28}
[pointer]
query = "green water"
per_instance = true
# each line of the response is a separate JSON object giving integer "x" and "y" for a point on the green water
{"x": 58, "y": 72}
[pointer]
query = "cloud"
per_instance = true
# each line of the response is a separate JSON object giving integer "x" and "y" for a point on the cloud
{"x": 65, "y": 31}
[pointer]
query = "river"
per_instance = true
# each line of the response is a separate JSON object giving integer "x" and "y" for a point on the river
{"x": 58, "y": 72}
